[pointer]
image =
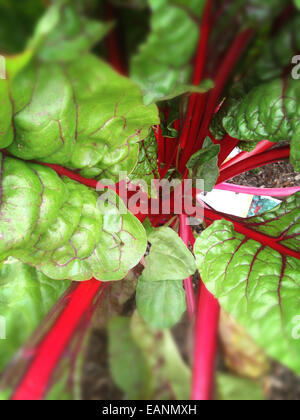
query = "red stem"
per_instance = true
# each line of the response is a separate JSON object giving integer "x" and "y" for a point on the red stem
{"x": 253, "y": 162}
{"x": 262, "y": 146}
{"x": 112, "y": 44}
{"x": 34, "y": 384}
{"x": 92, "y": 183}
{"x": 199, "y": 69}
{"x": 188, "y": 283}
{"x": 228, "y": 144}
{"x": 205, "y": 346}
{"x": 269, "y": 192}
{"x": 221, "y": 78}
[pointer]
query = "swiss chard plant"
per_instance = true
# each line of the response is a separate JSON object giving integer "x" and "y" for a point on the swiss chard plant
{"x": 102, "y": 104}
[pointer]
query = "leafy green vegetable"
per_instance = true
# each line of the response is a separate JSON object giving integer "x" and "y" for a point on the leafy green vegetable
{"x": 269, "y": 61}
{"x": 127, "y": 363}
{"x": 263, "y": 297}
{"x": 63, "y": 34}
{"x": 63, "y": 228}
{"x": 161, "y": 66}
{"x": 81, "y": 114}
{"x": 268, "y": 111}
{"x": 169, "y": 258}
{"x": 26, "y": 296}
{"x": 160, "y": 295}
{"x": 161, "y": 303}
{"x": 171, "y": 377}
{"x": 204, "y": 164}
{"x": 146, "y": 168}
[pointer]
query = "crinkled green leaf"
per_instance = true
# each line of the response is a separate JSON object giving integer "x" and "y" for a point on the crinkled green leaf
{"x": 128, "y": 366}
{"x": 64, "y": 228}
{"x": 63, "y": 34}
{"x": 270, "y": 60}
{"x": 9, "y": 68}
{"x": 235, "y": 388}
{"x": 254, "y": 282}
{"x": 204, "y": 164}
{"x": 161, "y": 303}
{"x": 81, "y": 114}
{"x": 297, "y": 3}
{"x": 161, "y": 66}
{"x": 146, "y": 169}
{"x": 26, "y": 296}
{"x": 169, "y": 258}
{"x": 171, "y": 376}
{"x": 269, "y": 111}
{"x": 160, "y": 294}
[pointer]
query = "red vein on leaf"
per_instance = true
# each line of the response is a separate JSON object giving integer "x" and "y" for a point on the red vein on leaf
{"x": 211, "y": 216}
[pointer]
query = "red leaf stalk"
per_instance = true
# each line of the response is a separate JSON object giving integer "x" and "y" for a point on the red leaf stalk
{"x": 221, "y": 78}
{"x": 35, "y": 381}
{"x": 188, "y": 283}
{"x": 253, "y": 162}
{"x": 268, "y": 192}
{"x": 262, "y": 146}
{"x": 205, "y": 346}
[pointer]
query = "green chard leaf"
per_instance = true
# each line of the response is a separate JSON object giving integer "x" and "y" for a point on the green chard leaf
{"x": 171, "y": 377}
{"x": 160, "y": 295}
{"x": 204, "y": 164}
{"x": 63, "y": 34}
{"x": 63, "y": 228}
{"x": 128, "y": 366}
{"x": 81, "y": 114}
{"x": 146, "y": 363}
{"x": 147, "y": 167}
{"x": 269, "y": 61}
{"x": 160, "y": 303}
{"x": 26, "y": 296}
{"x": 169, "y": 258}
{"x": 161, "y": 66}
{"x": 269, "y": 111}
{"x": 263, "y": 297}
